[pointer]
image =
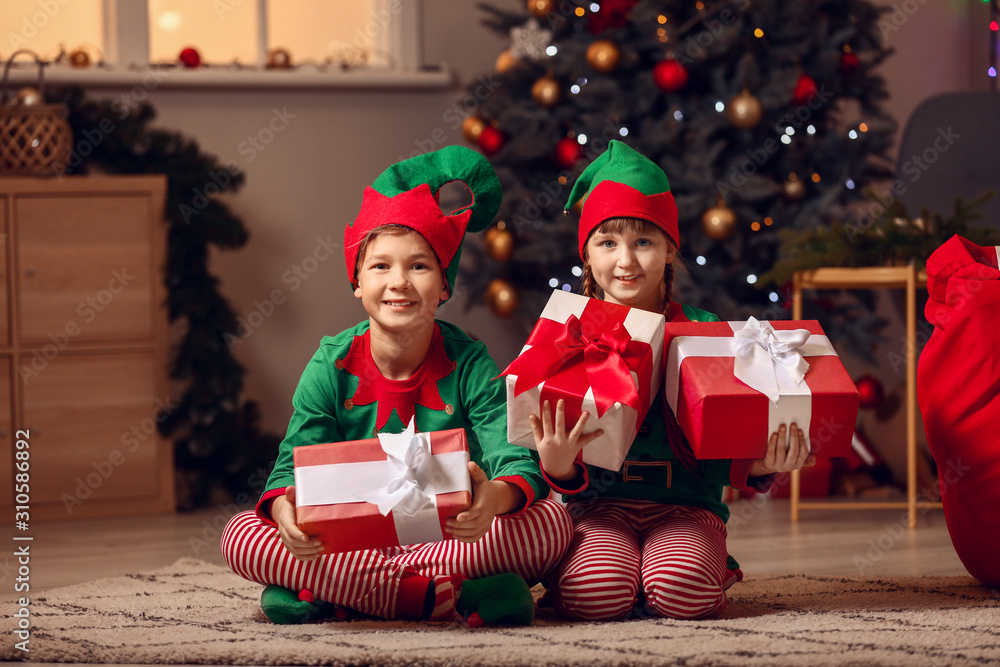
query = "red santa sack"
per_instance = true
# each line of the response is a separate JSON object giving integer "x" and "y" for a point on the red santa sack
{"x": 958, "y": 387}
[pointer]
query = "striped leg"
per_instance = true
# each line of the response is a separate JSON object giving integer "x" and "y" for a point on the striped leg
{"x": 530, "y": 544}
{"x": 684, "y": 564}
{"x": 599, "y": 580}
{"x": 366, "y": 581}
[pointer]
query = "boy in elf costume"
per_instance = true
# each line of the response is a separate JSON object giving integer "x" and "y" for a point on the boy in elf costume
{"x": 653, "y": 534}
{"x": 402, "y": 257}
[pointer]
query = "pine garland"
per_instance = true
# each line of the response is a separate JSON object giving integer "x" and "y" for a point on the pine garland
{"x": 893, "y": 237}
{"x": 218, "y": 444}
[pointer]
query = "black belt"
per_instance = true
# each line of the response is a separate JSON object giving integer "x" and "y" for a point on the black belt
{"x": 647, "y": 473}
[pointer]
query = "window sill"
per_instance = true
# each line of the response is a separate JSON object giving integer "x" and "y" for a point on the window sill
{"x": 437, "y": 78}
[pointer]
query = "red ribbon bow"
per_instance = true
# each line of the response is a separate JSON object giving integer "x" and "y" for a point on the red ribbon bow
{"x": 609, "y": 356}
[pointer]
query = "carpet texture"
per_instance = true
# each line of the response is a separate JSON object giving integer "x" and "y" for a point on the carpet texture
{"x": 196, "y": 612}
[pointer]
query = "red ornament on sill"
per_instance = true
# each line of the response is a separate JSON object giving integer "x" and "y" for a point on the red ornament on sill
{"x": 190, "y": 58}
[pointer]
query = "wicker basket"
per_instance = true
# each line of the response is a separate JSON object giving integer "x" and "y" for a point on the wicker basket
{"x": 35, "y": 140}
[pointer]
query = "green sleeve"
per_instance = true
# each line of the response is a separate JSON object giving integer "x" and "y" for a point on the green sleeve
{"x": 484, "y": 397}
{"x": 699, "y": 315}
{"x": 312, "y": 421}
{"x": 716, "y": 471}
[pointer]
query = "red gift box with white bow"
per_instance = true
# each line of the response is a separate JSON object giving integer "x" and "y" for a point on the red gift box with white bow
{"x": 601, "y": 357}
{"x": 731, "y": 384}
{"x": 393, "y": 490}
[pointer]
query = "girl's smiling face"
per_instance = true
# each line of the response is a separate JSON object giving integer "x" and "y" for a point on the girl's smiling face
{"x": 627, "y": 262}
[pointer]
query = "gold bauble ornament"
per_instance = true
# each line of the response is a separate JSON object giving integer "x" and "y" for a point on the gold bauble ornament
{"x": 505, "y": 61}
{"x": 793, "y": 189}
{"x": 28, "y": 97}
{"x": 546, "y": 91}
{"x": 541, "y": 8}
{"x": 501, "y": 297}
{"x": 499, "y": 242}
{"x": 718, "y": 221}
{"x": 279, "y": 59}
{"x": 472, "y": 127}
{"x": 79, "y": 58}
{"x": 744, "y": 111}
{"x": 603, "y": 55}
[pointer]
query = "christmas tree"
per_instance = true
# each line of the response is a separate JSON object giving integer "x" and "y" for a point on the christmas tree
{"x": 765, "y": 115}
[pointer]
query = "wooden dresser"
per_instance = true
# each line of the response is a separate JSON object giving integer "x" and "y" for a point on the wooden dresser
{"x": 83, "y": 345}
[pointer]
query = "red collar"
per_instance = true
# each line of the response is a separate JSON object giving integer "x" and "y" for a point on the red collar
{"x": 676, "y": 313}
{"x": 420, "y": 388}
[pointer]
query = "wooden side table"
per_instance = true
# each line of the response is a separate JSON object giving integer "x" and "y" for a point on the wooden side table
{"x": 896, "y": 277}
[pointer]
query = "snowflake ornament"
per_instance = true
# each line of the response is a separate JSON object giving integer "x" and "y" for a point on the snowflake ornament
{"x": 529, "y": 41}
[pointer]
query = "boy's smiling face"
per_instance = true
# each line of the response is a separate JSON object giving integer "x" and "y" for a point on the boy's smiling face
{"x": 400, "y": 282}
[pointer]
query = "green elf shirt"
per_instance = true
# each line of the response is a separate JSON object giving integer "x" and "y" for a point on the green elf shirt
{"x": 342, "y": 396}
{"x": 653, "y": 470}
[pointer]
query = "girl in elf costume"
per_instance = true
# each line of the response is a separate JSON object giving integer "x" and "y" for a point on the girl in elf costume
{"x": 655, "y": 538}
{"x": 402, "y": 256}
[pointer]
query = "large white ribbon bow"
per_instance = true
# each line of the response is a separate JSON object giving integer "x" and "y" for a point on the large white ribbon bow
{"x": 761, "y": 352}
{"x": 410, "y": 454}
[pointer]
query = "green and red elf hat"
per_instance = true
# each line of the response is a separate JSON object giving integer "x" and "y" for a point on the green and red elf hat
{"x": 407, "y": 194}
{"x": 623, "y": 183}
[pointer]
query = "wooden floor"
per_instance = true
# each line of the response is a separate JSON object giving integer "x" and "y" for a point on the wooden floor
{"x": 761, "y": 537}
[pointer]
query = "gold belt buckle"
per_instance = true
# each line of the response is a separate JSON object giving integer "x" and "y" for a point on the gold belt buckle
{"x": 628, "y": 476}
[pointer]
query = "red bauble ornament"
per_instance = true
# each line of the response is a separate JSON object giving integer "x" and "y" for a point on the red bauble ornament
{"x": 568, "y": 151}
{"x": 190, "y": 58}
{"x": 491, "y": 140}
{"x": 804, "y": 89}
{"x": 849, "y": 63}
{"x": 612, "y": 14}
{"x": 872, "y": 393}
{"x": 670, "y": 76}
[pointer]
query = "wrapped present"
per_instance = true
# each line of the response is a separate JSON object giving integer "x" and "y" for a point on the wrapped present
{"x": 731, "y": 384}
{"x": 598, "y": 356}
{"x": 393, "y": 490}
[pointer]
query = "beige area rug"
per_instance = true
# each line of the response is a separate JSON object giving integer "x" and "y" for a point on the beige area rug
{"x": 196, "y": 612}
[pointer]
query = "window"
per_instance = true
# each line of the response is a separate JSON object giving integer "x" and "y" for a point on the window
{"x": 131, "y": 34}
{"x": 47, "y": 26}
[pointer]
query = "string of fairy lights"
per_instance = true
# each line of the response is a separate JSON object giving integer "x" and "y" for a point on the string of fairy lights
{"x": 994, "y": 31}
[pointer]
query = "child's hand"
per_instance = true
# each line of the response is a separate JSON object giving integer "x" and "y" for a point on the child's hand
{"x": 302, "y": 546}
{"x": 782, "y": 455}
{"x": 557, "y": 449}
{"x": 489, "y": 498}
